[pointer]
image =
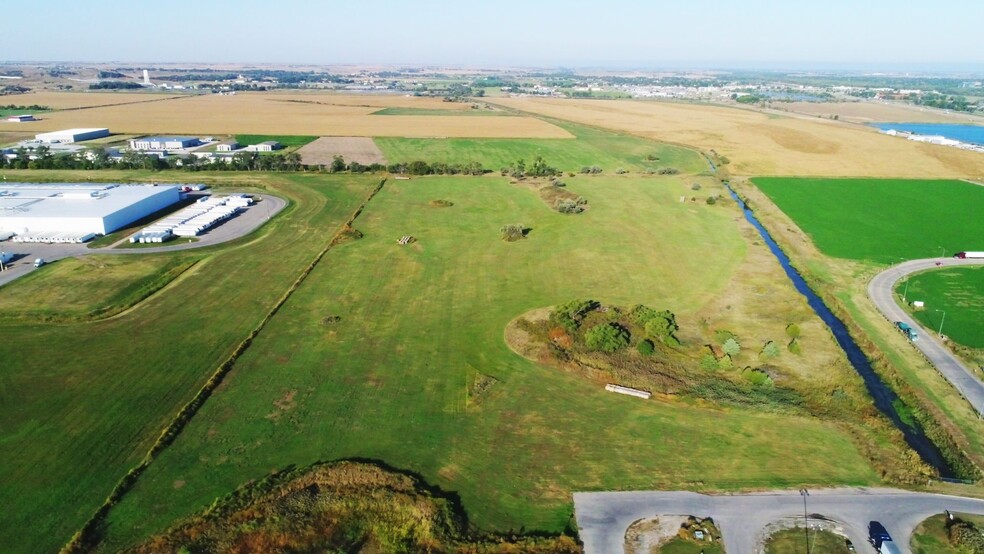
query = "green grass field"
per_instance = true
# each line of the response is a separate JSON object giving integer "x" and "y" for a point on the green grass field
{"x": 954, "y": 297}
{"x": 286, "y": 141}
{"x": 84, "y": 401}
{"x": 882, "y": 220}
{"x": 590, "y": 147}
{"x": 389, "y": 381}
{"x": 451, "y": 113}
{"x": 93, "y": 286}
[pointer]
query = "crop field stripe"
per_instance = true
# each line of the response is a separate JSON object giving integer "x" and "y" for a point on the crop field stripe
{"x": 86, "y": 537}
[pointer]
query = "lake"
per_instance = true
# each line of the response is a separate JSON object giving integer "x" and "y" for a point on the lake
{"x": 973, "y": 134}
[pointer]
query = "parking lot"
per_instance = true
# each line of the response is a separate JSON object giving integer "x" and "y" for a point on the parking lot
{"x": 743, "y": 519}
{"x": 242, "y": 224}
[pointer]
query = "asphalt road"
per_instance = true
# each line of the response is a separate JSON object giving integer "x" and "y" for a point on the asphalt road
{"x": 244, "y": 223}
{"x": 603, "y": 517}
{"x": 881, "y": 290}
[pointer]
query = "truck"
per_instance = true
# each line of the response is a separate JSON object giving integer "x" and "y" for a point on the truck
{"x": 969, "y": 255}
{"x": 5, "y": 258}
{"x": 877, "y": 534}
{"x": 39, "y": 262}
{"x": 908, "y": 331}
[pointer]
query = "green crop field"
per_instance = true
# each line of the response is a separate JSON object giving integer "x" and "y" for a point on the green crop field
{"x": 284, "y": 140}
{"x": 882, "y": 220}
{"x": 374, "y": 355}
{"x": 590, "y": 147}
{"x": 83, "y": 402}
{"x": 954, "y": 297}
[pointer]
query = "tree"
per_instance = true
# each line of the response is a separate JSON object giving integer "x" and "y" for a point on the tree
{"x": 337, "y": 164}
{"x": 606, "y": 337}
{"x": 792, "y": 331}
{"x": 569, "y": 315}
{"x": 646, "y": 347}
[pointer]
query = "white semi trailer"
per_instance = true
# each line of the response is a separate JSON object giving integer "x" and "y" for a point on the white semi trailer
{"x": 970, "y": 255}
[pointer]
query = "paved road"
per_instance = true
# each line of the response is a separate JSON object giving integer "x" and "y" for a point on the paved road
{"x": 603, "y": 517}
{"x": 243, "y": 224}
{"x": 881, "y": 290}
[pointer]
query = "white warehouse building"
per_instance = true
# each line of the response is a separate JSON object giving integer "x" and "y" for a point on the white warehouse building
{"x": 163, "y": 143}
{"x": 72, "y": 135}
{"x": 44, "y": 209}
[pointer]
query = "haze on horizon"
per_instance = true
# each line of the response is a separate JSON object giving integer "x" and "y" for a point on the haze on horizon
{"x": 768, "y": 34}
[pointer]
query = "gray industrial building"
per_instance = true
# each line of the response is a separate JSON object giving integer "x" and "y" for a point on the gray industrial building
{"x": 72, "y": 135}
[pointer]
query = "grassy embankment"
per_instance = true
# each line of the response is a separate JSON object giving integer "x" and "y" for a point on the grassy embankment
{"x": 590, "y": 147}
{"x": 85, "y": 400}
{"x": 865, "y": 235}
{"x": 793, "y": 541}
{"x": 417, "y": 326}
{"x": 954, "y": 300}
{"x": 933, "y": 537}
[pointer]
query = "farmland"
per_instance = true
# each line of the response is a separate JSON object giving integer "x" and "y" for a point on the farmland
{"x": 591, "y": 147}
{"x": 376, "y": 360}
{"x": 281, "y": 114}
{"x": 954, "y": 299}
{"x": 766, "y": 144}
{"x": 881, "y": 220}
{"x": 284, "y": 140}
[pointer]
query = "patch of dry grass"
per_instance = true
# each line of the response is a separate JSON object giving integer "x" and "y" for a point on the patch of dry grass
{"x": 280, "y": 114}
{"x": 877, "y": 112}
{"x": 761, "y": 144}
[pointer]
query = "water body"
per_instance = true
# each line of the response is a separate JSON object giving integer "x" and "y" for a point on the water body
{"x": 883, "y": 395}
{"x": 973, "y": 134}
{"x": 792, "y": 96}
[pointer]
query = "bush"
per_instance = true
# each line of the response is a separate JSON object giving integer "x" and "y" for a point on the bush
{"x": 724, "y": 362}
{"x": 646, "y": 347}
{"x": 731, "y": 347}
{"x": 621, "y": 171}
{"x": 593, "y": 170}
{"x": 513, "y": 232}
{"x": 722, "y": 336}
{"x": 770, "y": 350}
{"x": 966, "y": 536}
{"x": 792, "y": 331}
{"x": 708, "y": 362}
{"x": 569, "y": 315}
{"x": 794, "y": 347}
{"x": 695, "y": 186}
{"x": 569, "y": 207}
{"x": 606, "y": 337}
{"x": 668, "y": 171}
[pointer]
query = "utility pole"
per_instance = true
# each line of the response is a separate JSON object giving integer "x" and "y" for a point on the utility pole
{"x": 806, "y": 519}
{"x": 941, "y": 322}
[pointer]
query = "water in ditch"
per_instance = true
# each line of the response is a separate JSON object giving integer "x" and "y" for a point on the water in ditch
{"x": 882, "y": 394}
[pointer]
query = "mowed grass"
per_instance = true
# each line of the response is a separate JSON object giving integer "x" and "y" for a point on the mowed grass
{"x": 793, "y": 541}
{"x": 932, "y": 536}
{"x": 954, "y": 297}
{"x": 92, "y": 286}
{"x": 882, "y": 220}
{"x": 390, "y": 380}
{"x": 590, "y": 147}
{"x": 284, "y": 140}
{"x": 83, "y": 402}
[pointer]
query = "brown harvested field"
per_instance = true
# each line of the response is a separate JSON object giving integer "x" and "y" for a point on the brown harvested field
{"x": 68, "y": 100}
{"x": 293, "y": 114}
{"x": 767, "y": 144}
{"x": 353, "y": 149}
{"x": 878, "y": 112}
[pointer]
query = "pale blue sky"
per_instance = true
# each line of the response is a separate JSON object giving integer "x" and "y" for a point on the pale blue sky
{"x": 867, "y": 34}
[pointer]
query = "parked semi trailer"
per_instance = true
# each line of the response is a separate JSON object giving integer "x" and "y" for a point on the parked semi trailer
{"x": 879, "y": 538}
{"x": 971, "y": 255}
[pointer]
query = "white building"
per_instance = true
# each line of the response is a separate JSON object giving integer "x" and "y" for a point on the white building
{"x": 267, "y": 146}
{"x": 227, "y": 146}
{"x": 20, "y": 118}
{"x": 69, "y": 208}
{"x": 72, "y": 135}
{"x": 163, "y": 143}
